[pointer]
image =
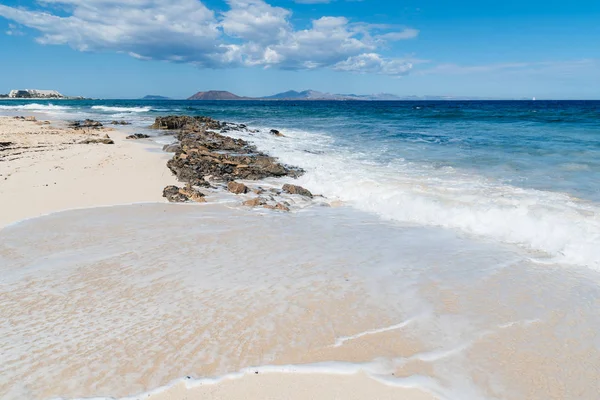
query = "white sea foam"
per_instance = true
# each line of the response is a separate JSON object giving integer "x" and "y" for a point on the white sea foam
{"x": 35, "y": 107}
{"x": 121, "y": 109}
{"x": 562, "y": 227}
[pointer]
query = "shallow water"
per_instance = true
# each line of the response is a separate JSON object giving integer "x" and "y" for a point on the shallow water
{"x": 121, "y": 300}
{"x": 518, "y": 172}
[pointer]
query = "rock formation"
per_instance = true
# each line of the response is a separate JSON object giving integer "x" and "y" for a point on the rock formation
{"x": 204, "y": 154}
{"x": 293, "y": 189}
{"x": 138, "y": 136}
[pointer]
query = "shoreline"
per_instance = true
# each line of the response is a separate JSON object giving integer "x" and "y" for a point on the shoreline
{"x": 130, "y": 172}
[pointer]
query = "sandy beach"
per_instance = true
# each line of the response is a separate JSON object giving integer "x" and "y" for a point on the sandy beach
{"x": 44, "y": 169}
{"x": 109, "y": 291}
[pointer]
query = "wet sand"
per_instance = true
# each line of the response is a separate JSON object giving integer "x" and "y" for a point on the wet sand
{"x": 60, "y": 339}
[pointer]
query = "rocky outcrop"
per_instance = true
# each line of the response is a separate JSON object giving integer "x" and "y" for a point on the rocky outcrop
{"x": 182, "y": 195}
{"x": 138, "y": 136}
{"x": 294, "y": 189}
{"x": 103, "y": 140}
{"x": 205, "y": 154}
{"x": 122, "y": 122}
{"x": 87, "y": 124}
{"x": 186, "y": 122}
{"x": 237, "y": 188}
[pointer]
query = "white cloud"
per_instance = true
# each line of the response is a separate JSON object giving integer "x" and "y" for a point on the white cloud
{"x": 374, "y": 63}
{"x": 248, "y": 33}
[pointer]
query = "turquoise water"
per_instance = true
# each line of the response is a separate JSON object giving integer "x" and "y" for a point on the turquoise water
{"x": 522, "y": 172}
{"x": 546, "y": 145}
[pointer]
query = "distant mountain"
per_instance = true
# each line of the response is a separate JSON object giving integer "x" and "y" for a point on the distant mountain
{"x": 216, "y": 95}
{"x": 315, "y": 95}
{"x": 154, "y": 97}
{"x": 305, "y": 95}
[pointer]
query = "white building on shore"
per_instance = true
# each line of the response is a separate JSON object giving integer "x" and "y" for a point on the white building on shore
{"x": 34, "y": 93}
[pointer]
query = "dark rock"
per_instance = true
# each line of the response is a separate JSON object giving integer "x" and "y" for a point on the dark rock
{"x": 237, "y": 188}
{"x": 185, "y": 122}
{"x": 122, "y": 122}
{"x": 203, "y": 152}
{"x": 293, "y": 189}
{"x": 88, "y": 123}
{"x": 5, "y": 144}
{"x": 193, "y": 194}
{"x": 173, "y": 195}
{"x": 182, "y": 195}
{"x": 104, "y": 140}
{"x": 171, "y": 148}
{"x": 138, "y": 136}
{"x": 276, "y": 132}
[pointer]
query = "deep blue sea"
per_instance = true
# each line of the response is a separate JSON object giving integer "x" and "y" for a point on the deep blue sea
{"x": 524, "y": 172}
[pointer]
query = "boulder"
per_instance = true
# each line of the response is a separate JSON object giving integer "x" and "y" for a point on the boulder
{"x": 31, "y": 119}
{"x": 138, "y": 136}
{"x": 255, "y": 202}
{"x": 104, "y": 140}
{"x": 237, "y": 188}
{"x": 276, "y": 133}
{"x": 193, "y": 194}
{"x": 185, "y": 122}
{"x": 122, "y": 122}
{"x": 182, "y": 195}
{"x": 173, "y": 195}
{"x": 294, "y": 189}
{"x": 88, "y": 123}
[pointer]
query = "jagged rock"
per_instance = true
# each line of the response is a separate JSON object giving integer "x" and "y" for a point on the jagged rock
{"x": 193, "y": 194}
{"x": 182, "y": 195}
{"x": 5, "y": 144}
{"x": 138, "y": 136}
{"x": 88, "y": 123}
{"x": 104, "y": 140}
{"x": 255, "y": 202}
{"x": 294, "y": 189}
{"x": 173, "y": 194}
{"x": 276, "y": 132}
{"x": 237, "y": 188}
{"x": 122, "y": 122}
{"x": 171, "y": 148}
{"x": 204, "y": 153}
{"x": 185, "y": 122}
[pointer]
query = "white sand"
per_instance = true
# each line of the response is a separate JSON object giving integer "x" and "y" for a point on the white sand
{"x": 44, "y": 170}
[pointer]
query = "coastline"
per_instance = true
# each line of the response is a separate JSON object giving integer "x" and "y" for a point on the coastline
{"x": 168, "y": 301}
{"x": 66, "y": 175}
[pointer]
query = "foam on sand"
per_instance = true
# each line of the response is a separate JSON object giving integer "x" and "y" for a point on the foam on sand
{"x": 128, "y": 299}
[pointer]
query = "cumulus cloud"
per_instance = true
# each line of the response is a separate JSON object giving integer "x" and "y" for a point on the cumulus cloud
{"x": 248, "y": 33}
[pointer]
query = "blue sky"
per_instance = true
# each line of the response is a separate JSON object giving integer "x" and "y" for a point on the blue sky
{"x": 130, "y": 48}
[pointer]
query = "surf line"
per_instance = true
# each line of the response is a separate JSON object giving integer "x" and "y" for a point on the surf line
{"x": 341, "y": 340}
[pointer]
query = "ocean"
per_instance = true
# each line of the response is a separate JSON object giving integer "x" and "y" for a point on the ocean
{"x": 467, "y": 233}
